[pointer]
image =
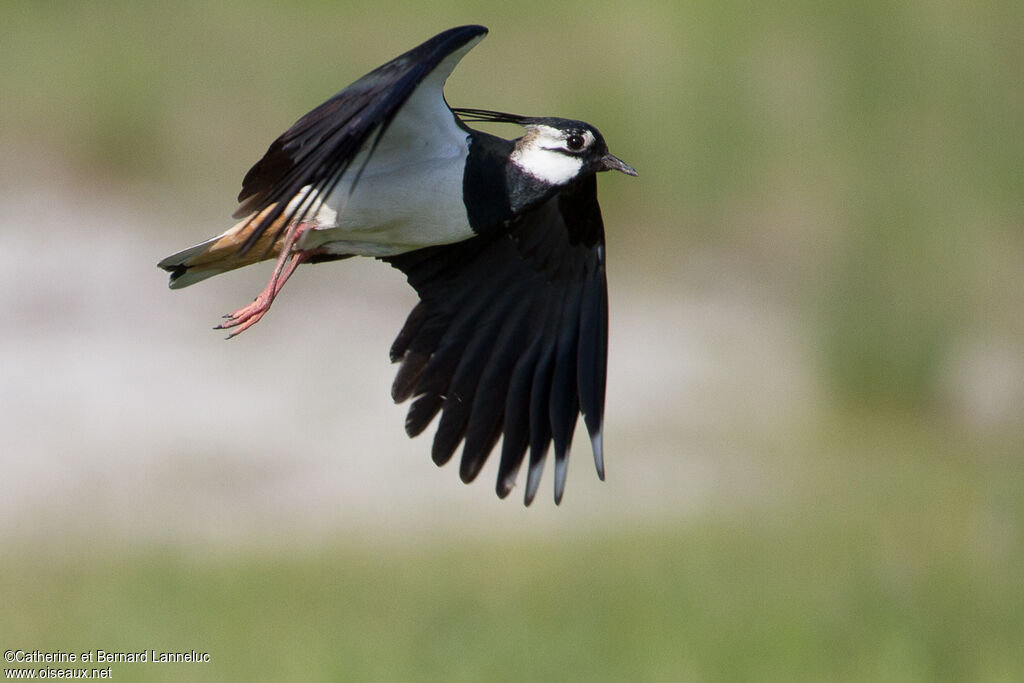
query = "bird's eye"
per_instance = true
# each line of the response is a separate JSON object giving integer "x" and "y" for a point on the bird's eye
{"x": 574, "y": 142}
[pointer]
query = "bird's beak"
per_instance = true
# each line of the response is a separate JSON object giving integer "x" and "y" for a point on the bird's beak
{"x": 610, "y": 162}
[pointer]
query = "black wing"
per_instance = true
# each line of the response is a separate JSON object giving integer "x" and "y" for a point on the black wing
{"x": 510, "y": 339}
{"x": 321, "y": 146}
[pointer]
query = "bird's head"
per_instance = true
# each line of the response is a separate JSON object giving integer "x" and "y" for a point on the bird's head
{"x": 556, "y": 151}
{"x": 559, "y": 151}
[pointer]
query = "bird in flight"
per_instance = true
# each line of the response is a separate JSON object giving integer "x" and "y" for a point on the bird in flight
{"x": 502, "y": 240}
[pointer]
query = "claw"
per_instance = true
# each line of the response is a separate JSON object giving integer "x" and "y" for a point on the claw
{"x": 254, "y": 310}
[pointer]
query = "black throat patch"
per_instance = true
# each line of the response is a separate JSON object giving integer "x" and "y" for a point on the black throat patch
{"x": 485, "y": 189}
{"x": 494, "y": 189}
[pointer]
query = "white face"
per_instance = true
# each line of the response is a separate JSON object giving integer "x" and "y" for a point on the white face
{"x": 551, "y": 155}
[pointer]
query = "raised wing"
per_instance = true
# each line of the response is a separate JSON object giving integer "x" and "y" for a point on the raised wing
{"x": 377, "y": 115}
{"x": 510, "y": 340}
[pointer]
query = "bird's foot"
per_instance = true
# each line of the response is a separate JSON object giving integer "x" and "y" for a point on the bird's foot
{"x": 287, "y": 262}
{"x": 247, "y": 316}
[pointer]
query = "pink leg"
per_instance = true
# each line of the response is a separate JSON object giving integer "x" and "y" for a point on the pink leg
{"x": 287, "y": 262}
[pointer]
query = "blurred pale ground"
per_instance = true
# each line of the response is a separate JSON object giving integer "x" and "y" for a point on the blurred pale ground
{"x": 814, "y": 428}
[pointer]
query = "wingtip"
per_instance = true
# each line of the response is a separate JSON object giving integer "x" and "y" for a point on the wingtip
{"x": 597, "y": 443}
{"x": 475, "y": 29}
{"x": 533, "y": 481}
{"x": 456, "y": 37}
{"x": 561, "y": 470}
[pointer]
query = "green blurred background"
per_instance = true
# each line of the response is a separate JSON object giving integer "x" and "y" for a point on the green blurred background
{"x": 856, "y": 172}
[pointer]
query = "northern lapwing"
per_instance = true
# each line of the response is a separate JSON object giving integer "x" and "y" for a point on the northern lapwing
{"x": 502, "y": 240}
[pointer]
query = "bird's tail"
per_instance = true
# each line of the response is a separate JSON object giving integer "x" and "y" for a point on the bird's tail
{"x": 224, "y": 252}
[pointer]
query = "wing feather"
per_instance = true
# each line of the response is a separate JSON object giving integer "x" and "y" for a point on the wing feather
{"x": 509, "y": 340}
{"x": 321, "y": 147}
